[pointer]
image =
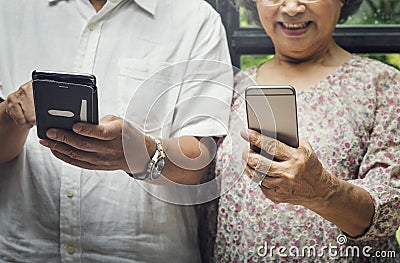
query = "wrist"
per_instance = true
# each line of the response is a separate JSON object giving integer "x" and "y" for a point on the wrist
{"x": 155, "y": 164}
{"x": 151, "y": 146}
{"x": 147, "y": 152}
{"x": 330, "y": 187}
{"x": 5, "y": 118}
{"x": 7, "y": 121}
{"x": 347, "y": 206}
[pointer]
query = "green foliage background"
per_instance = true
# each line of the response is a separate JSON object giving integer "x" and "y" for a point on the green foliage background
{"x": 398, "y": 236}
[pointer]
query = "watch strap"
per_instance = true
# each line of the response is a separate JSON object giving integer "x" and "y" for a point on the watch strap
{"x": 158, "y": 154}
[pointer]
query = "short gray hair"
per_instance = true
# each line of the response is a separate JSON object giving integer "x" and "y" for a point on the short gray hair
{"x": 349, "y": 8}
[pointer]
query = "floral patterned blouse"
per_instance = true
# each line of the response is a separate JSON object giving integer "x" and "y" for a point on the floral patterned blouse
{"x": 352, "y": 120}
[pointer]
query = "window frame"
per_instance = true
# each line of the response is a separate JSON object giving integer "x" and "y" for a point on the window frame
{"x": 362, "y": 39}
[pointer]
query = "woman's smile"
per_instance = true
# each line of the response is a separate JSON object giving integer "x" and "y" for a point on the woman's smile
{"x": 294, "y": 29}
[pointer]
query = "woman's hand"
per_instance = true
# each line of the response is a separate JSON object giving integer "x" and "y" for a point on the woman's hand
{"x": 294, "y": 176}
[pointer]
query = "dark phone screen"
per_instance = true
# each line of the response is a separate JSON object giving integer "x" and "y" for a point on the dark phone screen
{"x": 272, "y": 112}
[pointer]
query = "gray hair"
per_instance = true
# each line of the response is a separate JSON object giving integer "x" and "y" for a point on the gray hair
{"x": 349, "y": 8}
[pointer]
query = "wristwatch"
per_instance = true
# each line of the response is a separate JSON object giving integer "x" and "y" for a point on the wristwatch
{"x": 154, "y": 166}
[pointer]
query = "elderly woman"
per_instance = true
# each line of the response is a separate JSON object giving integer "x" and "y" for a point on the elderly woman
{"x": 336, "y": 196}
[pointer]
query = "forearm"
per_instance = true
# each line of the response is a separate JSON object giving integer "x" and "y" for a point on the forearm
{"x": 349, "y": 207}
{"x": 187, "y": 159}
{"x": 12, "y": 136}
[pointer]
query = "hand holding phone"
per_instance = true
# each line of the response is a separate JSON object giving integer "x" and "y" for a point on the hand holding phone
{"x": 271, "y": 110}
{"x": 62, "y": 99}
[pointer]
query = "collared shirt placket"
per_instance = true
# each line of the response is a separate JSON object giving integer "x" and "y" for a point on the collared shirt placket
{"x": 70, "y": 217}
{"x": 70, "y": 191}
{"x": 86, "y": 55}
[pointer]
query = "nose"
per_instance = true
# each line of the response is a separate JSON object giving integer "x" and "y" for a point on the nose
{"x": 293, "y": 7}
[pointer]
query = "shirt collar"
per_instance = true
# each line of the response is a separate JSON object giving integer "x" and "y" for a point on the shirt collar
{"x": 148, "y": 5}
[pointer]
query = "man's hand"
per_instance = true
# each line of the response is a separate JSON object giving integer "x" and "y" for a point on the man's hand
{"x": 20, "y": 106}
{"x": 89, "y": 146}
{"x": 17, "y": 116}
{"x": 100, "y": 147}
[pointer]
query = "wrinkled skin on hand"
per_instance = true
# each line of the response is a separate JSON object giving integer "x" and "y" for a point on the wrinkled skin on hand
{"x": 295, "y": 176}
{"x": 20, "y": 106}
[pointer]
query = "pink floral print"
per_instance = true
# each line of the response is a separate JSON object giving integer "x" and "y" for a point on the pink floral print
{"x": 352, "y": 120}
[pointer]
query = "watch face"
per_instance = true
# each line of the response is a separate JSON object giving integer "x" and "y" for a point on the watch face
{"x": 158, "y": 167}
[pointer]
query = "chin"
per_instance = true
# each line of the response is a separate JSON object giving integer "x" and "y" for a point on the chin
{"x": 296, "y": 55}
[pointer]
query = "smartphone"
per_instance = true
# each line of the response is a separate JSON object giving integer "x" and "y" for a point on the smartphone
{"x": 62, "y": 99}
{"x": 272, "y": 111}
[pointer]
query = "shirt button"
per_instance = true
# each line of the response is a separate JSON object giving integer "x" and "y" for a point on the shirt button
{"x": 70, "y": 250}
{"x": 70, "y": 193}
{"x": 91, "y": 26}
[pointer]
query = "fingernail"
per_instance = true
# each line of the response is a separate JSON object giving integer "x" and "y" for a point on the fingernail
{"x": 51, "y": 134}
{"x": 77, "y": 127}
{"x": 244, "y": 134}
{"x": 44, "y": 143}
{"x": 245, "y": 155}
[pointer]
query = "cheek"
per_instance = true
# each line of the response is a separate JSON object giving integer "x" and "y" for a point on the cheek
{"x": 266, "y": 21}
{"x": 335, "y": 11}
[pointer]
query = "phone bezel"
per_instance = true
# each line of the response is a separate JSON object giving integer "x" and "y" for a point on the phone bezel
{"x": 76, "y": 78}
{"x": 270, "y": 91}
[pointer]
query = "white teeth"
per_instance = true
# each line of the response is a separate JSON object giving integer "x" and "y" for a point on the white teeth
{"x": 295, "y": 26}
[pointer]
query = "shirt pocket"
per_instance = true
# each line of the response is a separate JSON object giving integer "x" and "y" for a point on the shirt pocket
{"x": 148, "y": 92}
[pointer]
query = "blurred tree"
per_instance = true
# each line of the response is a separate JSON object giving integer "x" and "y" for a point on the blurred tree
{"x": 382, "y": 11}
{"x": 378, "y": 12}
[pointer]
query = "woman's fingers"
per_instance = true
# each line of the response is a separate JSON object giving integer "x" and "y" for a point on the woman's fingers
{"x": 260, "y": 163}
{"x": 275, "y": 148}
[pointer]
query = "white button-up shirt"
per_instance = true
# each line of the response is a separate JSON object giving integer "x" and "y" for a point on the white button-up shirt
{"x": 54, "y": 212}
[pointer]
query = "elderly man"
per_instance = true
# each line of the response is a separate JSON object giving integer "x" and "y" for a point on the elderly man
{"x": 73, "y": 198}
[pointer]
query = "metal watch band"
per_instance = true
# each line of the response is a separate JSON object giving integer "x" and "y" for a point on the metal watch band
{"x": 149, "y": 174}
{"x": 153, "y": 167}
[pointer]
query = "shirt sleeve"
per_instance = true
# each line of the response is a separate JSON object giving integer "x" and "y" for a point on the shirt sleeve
{"x": 203, "y": 104}
{"x": 379, "y": 172}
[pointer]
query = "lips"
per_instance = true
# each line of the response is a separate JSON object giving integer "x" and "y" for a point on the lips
{"x": 294, "y": 29}
{"x": 294, "y": 26}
